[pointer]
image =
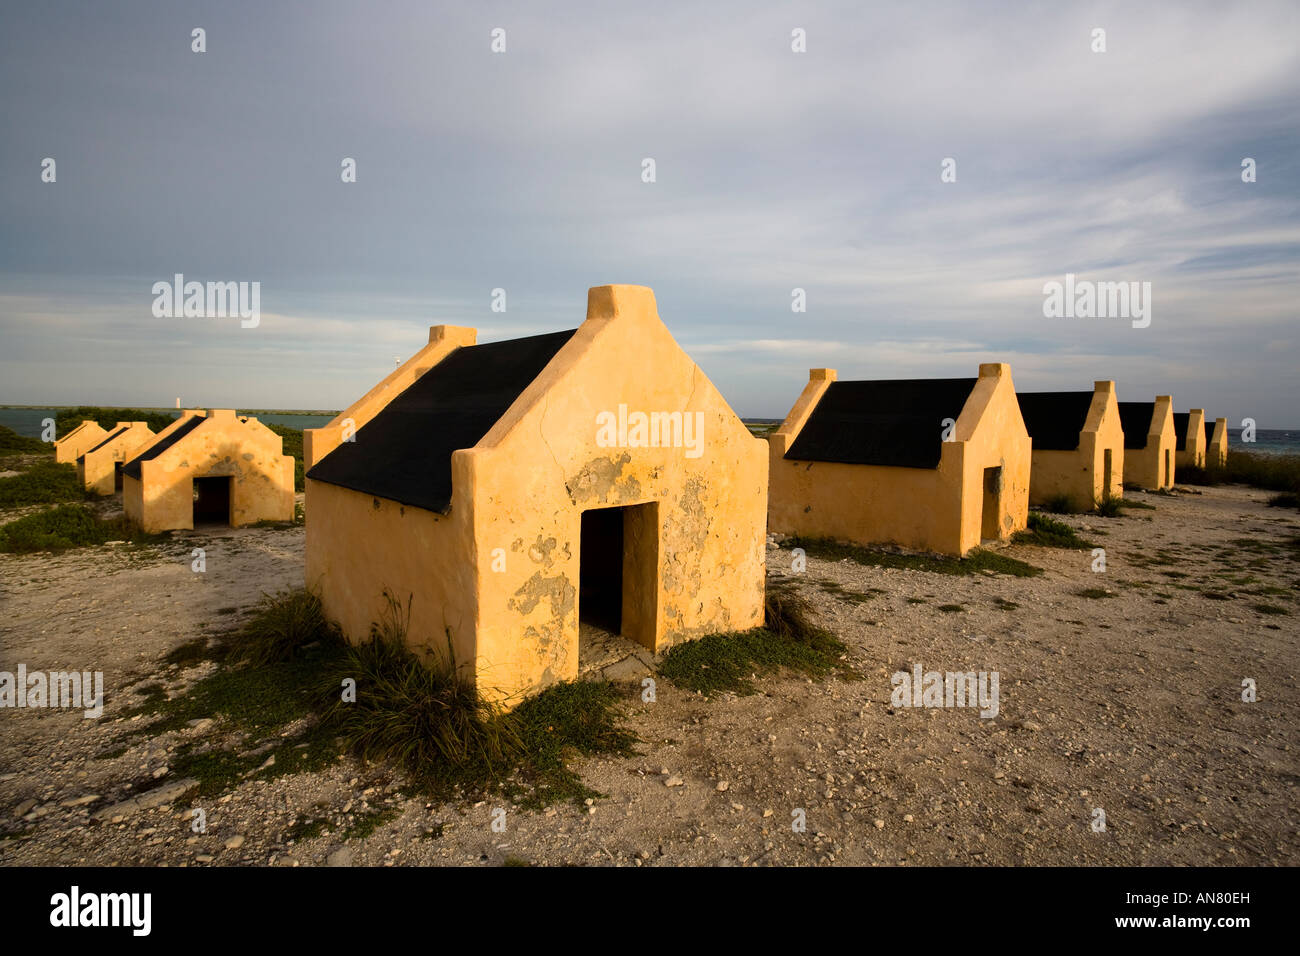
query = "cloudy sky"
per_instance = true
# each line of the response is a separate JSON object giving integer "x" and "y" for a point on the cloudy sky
{"x": 775, "y": 170}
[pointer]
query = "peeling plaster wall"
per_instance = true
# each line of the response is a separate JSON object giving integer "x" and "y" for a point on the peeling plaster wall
{"x": 924, "y": 509}
{"x": 709, "y": 548}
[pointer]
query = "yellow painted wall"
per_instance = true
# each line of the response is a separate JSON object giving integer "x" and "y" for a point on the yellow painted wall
{"x": 1081, "y": 474}
{"x": 97, "y": 468}
{"x": 925, "y": 509}
{"x": 1216, "y": 451}
{"x": 1193, "y": 453}
{"x": 78, "y": 441}
{"x": 500, "y": 571}
{"x": 222, "y": 445}
{"x": 1154, "y": 466}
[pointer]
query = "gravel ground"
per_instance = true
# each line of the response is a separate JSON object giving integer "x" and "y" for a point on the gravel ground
{"x": 1128, "y": 702}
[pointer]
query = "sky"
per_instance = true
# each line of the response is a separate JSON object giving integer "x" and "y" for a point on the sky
{"x": 775, "y": 170}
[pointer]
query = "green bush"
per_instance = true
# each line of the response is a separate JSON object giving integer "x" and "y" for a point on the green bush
{"x": 12, "y": 443}
{"x": 1050, "y": 533}
{"x": 64, "y": 527}
{"x": 46, "y": 482}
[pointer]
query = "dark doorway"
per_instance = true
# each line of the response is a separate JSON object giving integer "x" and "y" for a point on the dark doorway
{"x": 600, "y": 574}
{"x": 212, "y": 500}
{"x": 618, "y": 572}
{"x": 1168, "y": 470}
{"x": 991, "y": 519}
{"x": 1107, "y": 473}
{"x": 117, "y": 475}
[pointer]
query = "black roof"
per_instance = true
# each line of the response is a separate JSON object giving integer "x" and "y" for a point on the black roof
{"x": 1135, "y": 419}
{"x": 132, "y": 467}
{"x": 1054, "y": 419}
{"x": 111, "y": 435}
{"x": 404, "y": 453}
{"x": 897, "y": 422}
{"x": 1181, "y": 422}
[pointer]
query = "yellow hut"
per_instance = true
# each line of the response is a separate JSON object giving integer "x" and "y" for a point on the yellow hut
{"x": 928, "y": 464}
{"x": 215, "y": 468}
{"x": 78, "y": 441}
{"x": 1149, "y": 443}
{"x": 1078, "y": 446}
{"x": 1216, "y": 449}
{"x": 99, "y": 469}
{"x": 1189, "y": 435}
{"x": 528, "y": 494}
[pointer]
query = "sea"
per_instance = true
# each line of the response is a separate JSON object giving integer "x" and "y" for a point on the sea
{"x": 27, "y": 421}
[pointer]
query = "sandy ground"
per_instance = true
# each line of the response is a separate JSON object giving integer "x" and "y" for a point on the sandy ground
{"x": 1129, "y": 703}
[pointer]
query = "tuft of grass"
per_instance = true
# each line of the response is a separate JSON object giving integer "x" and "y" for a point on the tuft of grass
{"x": 1060, "y": 505}
{"x": 1095, "y": 593}
{"x": 1287, "y": 500}
{"x": 44, "y": 483}
{"x": 975, "y": 562}
{"x": 952, "y": 608}
{"x": 281, "y": 625}
{"x": 65, "y": 527}
{"x": 427, "y": 718}
{"x": 788, "y": 639}
{"x": 1049, "y": 533}
{"x": 1270, "y": 609}
{"x": 1002, "y": 604}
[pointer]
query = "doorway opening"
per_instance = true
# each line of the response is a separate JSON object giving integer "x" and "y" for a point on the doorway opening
{"x": 1107, "y": 473}
{"x": 618, "y": 581}
{"x": 117, "y": 475}
{"x": 1168, "y": 481}
{"x": 991, "y": 519}
{"x": 212, "y": 500}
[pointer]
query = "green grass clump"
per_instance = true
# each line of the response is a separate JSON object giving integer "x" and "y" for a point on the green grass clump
{"x": 280, "y": 626}
{"x": 787, "y": 639}
{"x": 287, "y": 665}
{"x": 426, "y": 717}
{"x": 1049, "y": 533}
{"x": 44, "y": 483}
{"x": 1287, "y": 500}
{"x": 975, "y": 562}
{"x": 65, "y": 527}
{"x": 12, "y": 443}
{"x": 1095, "y": 593}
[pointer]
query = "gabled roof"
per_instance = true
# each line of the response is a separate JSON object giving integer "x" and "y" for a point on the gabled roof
{"x": 132, "y": 467}
{"x": 111, "y": 435}
{"x": 1135, "y": 419}
{"x": 1055, "y": 419}
{"x": 404, "y": 452}
{"x": 1181, "y": 421}
{"x": 897, "y": 423}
